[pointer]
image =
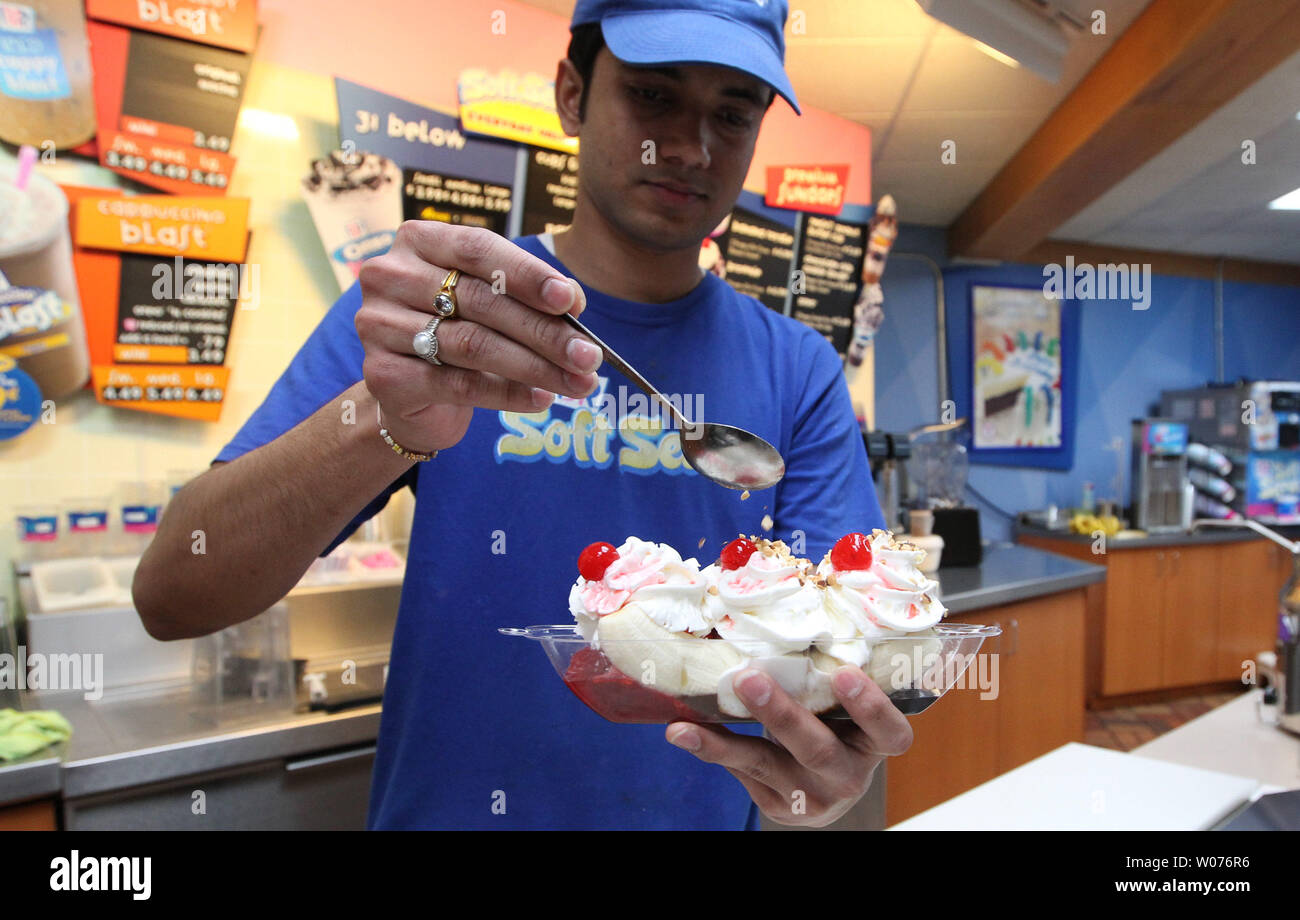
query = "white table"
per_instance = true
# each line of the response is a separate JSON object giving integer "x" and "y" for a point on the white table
{"x": 1188, "y": 778}
{"x": 1081, "y": 787}
{"x": 1232, "y": 738}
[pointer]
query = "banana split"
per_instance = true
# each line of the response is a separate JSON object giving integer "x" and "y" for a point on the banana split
{"x": 666, "y": 636}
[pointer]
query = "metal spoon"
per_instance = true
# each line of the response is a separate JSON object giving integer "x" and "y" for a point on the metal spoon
{"x": 730, "y": 456}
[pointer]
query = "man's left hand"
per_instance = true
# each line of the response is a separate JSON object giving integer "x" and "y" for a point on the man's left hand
{"x": 815, "y": 771}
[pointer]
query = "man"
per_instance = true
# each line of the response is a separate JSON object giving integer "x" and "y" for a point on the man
{"x": 476, "y": 729}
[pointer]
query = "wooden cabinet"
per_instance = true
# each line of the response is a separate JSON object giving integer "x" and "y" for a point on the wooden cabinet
{"x": 1134, "y": 636}
{"x": 29, "y": 816}
{"x": 1250, "y": 582}
{"x": 1189, "y": 585}
{"x": 1183, "y": 615}
{"x": 1037, "y": 669}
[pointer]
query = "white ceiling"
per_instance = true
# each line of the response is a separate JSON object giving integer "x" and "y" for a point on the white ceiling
{"x": 1197, "y": 196}
{"x": 917, "y": 83}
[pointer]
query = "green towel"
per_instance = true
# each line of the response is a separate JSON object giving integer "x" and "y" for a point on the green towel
{"x": 23, "y": 733}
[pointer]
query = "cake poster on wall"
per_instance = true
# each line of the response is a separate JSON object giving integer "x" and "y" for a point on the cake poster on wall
{"x": 1016, "y": 335}
{"x": 166, "y": 108}
{"x": 160, "y": 279}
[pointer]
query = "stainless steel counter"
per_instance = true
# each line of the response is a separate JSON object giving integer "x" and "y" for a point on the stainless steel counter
{"x": 1011, "y": 573}
{"x": 1208, "y": 535}
{"x": 123, "y": 742}
{"x": 34, "y": 777}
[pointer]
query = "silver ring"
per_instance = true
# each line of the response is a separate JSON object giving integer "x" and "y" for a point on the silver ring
{"x": 425, "y": 343}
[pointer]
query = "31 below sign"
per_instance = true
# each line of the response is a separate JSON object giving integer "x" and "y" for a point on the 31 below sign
{"x": 815, "y": 189}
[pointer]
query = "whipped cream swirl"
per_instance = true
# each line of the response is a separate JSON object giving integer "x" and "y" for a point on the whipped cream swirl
{"x": 669, "y": 589}
{"x": 770, "y": 605}
{"x": 891, "y": 597}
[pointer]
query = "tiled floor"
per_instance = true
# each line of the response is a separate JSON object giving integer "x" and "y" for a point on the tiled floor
{"x": 1124, "y": 729}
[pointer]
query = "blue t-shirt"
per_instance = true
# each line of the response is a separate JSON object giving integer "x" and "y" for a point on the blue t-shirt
{"x": 477, "y": 730}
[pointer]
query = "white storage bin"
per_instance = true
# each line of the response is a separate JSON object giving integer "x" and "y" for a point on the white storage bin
{"x": 69, "y": 584}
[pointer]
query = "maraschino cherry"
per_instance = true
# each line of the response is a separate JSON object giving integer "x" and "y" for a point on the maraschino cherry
{"x": 595, "y": 559}
{"x": 736, "y": 553}
{"x": 852, "y": 553}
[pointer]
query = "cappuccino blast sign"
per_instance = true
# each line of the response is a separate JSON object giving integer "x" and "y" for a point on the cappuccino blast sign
{"x": 164, "y": 282}
{"x": 224, "y": 23}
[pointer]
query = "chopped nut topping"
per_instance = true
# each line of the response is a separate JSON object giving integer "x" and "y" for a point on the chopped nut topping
{"x": 701, "y": 543}
{"x": 744, "y": 496}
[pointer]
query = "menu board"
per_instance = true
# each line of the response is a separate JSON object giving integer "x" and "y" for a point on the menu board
{"x": 550, "y": 190}
{"x": 173, "y": 311}
{"x": 159, "y": 278}
{"x": 166, "y": 108}
{"x": 830, "y": 262}
{"x": 759, "y": 253}
{"x": 455, "y": 200}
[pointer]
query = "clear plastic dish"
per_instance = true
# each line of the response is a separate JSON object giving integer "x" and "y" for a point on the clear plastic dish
{"x": 914, "y": 671}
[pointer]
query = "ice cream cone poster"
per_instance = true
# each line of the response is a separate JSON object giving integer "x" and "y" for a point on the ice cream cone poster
{"x": 868, "y": 311}
{"x": 1016, "y": 391}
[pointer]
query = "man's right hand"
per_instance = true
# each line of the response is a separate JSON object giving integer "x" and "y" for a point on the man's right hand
{"x": 506, "y": 348}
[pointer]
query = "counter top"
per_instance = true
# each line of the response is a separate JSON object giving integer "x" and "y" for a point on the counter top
{"x": 1206, "y": 535}
{"x": 1011, "y": 573}
{"x": 34, "y": 777}
{"x": 129, "y": 742}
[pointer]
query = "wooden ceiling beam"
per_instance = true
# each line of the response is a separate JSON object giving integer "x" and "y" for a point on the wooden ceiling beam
{"x": 1177, "y": 63}
{"x": 1055, "y": 252}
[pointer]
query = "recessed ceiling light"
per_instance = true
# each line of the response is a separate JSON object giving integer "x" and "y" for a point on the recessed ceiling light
{"x": 999, "y": 56}
{"x": 1288, "y": 202}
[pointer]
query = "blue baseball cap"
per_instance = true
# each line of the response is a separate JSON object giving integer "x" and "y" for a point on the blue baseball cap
{"x": 747, "y": 35}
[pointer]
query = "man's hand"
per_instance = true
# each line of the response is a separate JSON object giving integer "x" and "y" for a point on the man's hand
{"x": 506, "y": 348}
{"x": 814, "y": 773}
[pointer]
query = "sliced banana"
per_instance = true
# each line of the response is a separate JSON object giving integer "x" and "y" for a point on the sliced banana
{"x": 807, "y": 678}
{"x": 897, "y": 664}
{"x": 670, "y": 662}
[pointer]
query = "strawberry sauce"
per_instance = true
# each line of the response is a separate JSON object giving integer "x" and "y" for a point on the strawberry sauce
{"x": 611, "y": 693}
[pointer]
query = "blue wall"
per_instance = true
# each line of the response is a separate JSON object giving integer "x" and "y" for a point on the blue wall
{"x": 1126, "y": 358}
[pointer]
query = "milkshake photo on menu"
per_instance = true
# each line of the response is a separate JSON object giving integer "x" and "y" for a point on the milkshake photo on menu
{"x": 40, "y": 319}
{"x": 760, "y": 416}
{"x": 355, "y": 201}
